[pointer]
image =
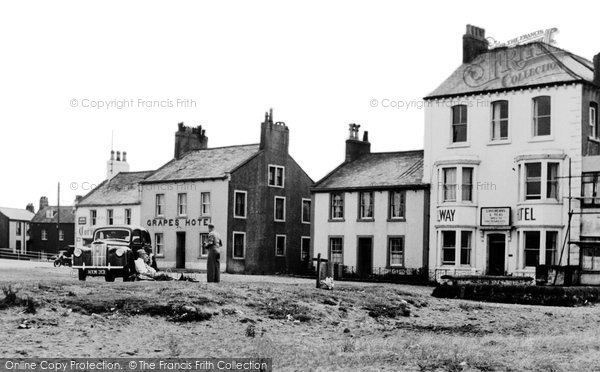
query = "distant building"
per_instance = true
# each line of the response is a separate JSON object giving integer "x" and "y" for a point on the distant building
{"x": 503, "y": 134}
{"x": 253, "y": 194}
{"x": 14, "y": 229}
{"x": 370, "y": 213}
{"x": 115, "y": 201}
{"x": 49, "y": 233}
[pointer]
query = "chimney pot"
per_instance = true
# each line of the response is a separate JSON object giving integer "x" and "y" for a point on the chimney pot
{"x": 112, "y": 155}
{"x": 366, "y": 136}
{"x": 118, "y": 155}
{"x": 124, "y": 156}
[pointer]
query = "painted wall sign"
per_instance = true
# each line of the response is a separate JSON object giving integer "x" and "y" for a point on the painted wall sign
{"x": 523, "y": 65}
{"x": 178, "y": 222}
{"x": 446, "y": 215}
{"x": 497, "y": 216}
{"x": 86, "y": 232}
{"x": 81, "y": 221}
{"x": 526, "y": 214}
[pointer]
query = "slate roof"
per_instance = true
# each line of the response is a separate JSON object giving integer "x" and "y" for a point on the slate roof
{"x": 17, "y": 214}
{"x": 527, "y": 65}
{"x": 211, "y": 163}
{"x": 122, "y": 189}
{"x": 66, "y": 215}
{"x": 376, "y": 170}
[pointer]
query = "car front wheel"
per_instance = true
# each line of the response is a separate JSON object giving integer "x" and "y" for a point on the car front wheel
{"x": 109, "y": 277}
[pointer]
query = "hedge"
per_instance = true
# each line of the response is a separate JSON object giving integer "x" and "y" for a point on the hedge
{"x": 526, "y": 295}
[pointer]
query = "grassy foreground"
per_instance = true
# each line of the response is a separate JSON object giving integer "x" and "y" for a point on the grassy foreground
{"x": 354, "y": 327}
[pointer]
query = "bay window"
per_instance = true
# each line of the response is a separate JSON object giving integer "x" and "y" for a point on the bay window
{"x": 541, "y": 180}
{"x": 540, "y": 247}
{"x": 449, "y": 175}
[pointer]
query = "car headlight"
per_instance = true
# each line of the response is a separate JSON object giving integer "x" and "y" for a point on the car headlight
{"x": 77, "y": 252}
{"x": 120, "y": 251}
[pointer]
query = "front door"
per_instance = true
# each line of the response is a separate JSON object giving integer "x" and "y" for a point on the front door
{"x": 180, "y": 251}
{"x": 496, "y": 250}
{"x": 364, "y": 266}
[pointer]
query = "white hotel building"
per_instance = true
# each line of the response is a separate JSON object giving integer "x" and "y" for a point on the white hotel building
{"x": 502, "y": 135}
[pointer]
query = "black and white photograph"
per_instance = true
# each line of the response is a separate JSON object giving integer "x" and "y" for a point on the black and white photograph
{"x": 299, "y": 186}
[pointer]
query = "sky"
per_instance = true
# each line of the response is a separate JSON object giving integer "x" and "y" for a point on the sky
{"x": 78, "y": 75}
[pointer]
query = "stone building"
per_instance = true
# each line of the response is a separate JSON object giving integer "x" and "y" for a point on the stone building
{"x": 254, "y": 195}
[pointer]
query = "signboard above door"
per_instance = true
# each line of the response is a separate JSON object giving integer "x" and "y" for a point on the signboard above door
{"x": 495, "y": 216}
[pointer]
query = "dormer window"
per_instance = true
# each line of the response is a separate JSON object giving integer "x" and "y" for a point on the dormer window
{"x": 459, "y": 123}
{"x": 541, "y": 116}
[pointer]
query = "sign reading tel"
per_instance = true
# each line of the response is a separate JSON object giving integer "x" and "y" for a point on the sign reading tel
{"x": 497, "y": 216}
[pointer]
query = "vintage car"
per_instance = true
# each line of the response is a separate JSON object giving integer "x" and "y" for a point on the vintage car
{"x": 112, "y": 253}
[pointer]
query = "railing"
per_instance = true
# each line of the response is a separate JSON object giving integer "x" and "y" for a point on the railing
{"x": 8, "y": 253}
{"x": 382, "y": 274}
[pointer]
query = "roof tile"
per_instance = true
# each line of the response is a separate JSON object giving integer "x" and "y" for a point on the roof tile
{"x": 377, "y": 170}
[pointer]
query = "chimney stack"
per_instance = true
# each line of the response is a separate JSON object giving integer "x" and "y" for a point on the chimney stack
{"x": 474, "y": 43}
{"x": 355, "y": 148}
{"x": 597, "y": 69}
{"x": 43, "y": 202}
{"x": 274, "y": 136}
{"x": 116, "y": 166}
{"x": 30, "y": 208}
{"x": 78, "y": 198}
{"x": 189, "y": 139}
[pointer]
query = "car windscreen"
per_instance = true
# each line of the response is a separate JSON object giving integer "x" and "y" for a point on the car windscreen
{"x": 116, "y": 234}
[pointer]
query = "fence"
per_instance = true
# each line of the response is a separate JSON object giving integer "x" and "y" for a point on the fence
{"x": 7, "y": 253}
{"x": 380, "y": 274}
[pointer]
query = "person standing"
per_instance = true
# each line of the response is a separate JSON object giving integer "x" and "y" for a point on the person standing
{"x": 213, "y": 265}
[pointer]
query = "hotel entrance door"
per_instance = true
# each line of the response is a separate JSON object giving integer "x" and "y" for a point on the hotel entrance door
{"x": 496, "y": 253}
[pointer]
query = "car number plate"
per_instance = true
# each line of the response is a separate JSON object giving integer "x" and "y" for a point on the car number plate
{"x": 96, "y": 272}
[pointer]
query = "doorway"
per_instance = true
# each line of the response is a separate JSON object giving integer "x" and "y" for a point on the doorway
{"x": 496, "y": 254}
{"x": 364, "y": 265}
{"x": 180, "y": 251}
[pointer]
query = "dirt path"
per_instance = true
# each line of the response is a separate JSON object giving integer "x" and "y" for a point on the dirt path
{"x": 356, "y": 326}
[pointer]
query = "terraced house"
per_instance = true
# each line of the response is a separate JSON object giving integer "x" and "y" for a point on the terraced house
{"x": 256, "y": 195}
{"x": 511, "y": 147}
{"x": 370, "y": 213}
